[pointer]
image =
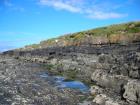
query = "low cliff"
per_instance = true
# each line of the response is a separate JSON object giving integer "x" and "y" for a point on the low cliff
{"x": 119, "y": 33}
{"x": 107, "y": 59}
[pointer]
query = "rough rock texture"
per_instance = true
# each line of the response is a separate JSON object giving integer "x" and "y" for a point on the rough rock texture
{"x": 114, "y": 69}
{"x": 119, "y": 73}
{"x": 106, "y": 58}
{"x": 102, "y": 99}
{"x": 20, "y": 84}
{"x": 132, "y": 91}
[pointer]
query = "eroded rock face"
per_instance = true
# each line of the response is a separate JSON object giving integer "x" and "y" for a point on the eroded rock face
{"x": 132, "y": 91}
{"x": 109, "y": 81}
{"x": 20, "y": 85}
{"x": 96, "y": 90}
{"x": 102, "y": 99}
{"x": 119, "y": 73}
{"x": 112, "y": 68}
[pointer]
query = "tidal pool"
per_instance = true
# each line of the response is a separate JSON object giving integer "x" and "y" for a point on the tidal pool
{"x": 61, "y": 82}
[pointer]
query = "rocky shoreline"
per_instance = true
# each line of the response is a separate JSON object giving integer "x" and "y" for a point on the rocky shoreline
{"x": 20, "y": 85}
{"x": 112, "y": 71}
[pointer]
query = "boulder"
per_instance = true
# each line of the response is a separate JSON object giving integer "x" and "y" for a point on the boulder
{"x": 114, "y": 82}
{"x": 100, "y": 99}
{"x": 111, "y": 102}
{"x": 94, "y": 90}
{"x": 132, "y": 91}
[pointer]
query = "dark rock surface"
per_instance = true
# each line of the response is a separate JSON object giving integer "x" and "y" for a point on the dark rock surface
{"x": 114, "y": 70}
{"x": 19, "y": 85}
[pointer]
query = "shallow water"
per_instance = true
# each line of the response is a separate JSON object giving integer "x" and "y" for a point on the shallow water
{"x": 61, "y": 82}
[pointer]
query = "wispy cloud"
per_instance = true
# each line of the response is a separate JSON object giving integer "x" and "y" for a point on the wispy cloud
{"x": 90, "y": 8}
{"x": 7, "y": 3}
{"x": 13, "y": 39}
{"x": 105, "y": 15}
{"x": 6, "y": 47}
{"x": 11, "y": 6}
{"x": 13, "y": 36}
{"x": 10, "y": 33}
{"x": 60, "y": 5}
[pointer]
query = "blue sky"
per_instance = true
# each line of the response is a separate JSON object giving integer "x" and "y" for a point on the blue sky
{"x": 24, "y": 22}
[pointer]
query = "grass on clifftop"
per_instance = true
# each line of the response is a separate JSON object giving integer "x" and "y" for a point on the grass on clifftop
{"x": 127, "y": 32}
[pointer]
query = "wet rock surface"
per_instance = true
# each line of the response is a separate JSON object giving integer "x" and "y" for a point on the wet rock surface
{"x": 112, "y": 71}
{"x": 19, "y": 85}
{"x": 61, "y": 82}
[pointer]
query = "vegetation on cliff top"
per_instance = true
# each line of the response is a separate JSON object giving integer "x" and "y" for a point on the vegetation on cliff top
{"x": 119, "y": 33}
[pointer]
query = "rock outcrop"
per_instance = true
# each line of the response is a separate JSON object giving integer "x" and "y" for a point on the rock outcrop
{"x": 119, "y": 73}
{"x": 107, "y": 59}
{"x": 112, "y": 69}
{"x": 20, "y": 84}
{"x": 132, "y": 91}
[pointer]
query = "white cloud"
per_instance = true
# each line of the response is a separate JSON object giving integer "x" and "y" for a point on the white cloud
{"x": 7, "y": 3}
{"x": 90, "y": 8}
{"x": 11, "y": 6}
{"x": 20, "y": 9}
{"x": 105, "y": 15}
{"x": 14, "y": 33}
{"x": 61, "y": 5}
{"x": 58, "y": 4}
